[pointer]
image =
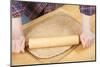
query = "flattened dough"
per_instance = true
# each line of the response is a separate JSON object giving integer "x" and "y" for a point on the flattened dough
{"x": 48, "y": 52}
{"x": 57, "y": 25}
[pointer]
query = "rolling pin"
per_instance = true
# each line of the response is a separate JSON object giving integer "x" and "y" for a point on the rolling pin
{"x": 53, "y": 41}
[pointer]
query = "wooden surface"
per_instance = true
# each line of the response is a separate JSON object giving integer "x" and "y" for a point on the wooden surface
{"x": 78, "y": 54}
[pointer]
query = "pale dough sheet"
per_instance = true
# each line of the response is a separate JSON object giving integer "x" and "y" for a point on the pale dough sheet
{"x": 56, "y": 25}
{"x": 48, "y": 52}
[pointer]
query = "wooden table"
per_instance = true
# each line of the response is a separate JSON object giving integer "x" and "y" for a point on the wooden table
{"x": 78, "y": 54}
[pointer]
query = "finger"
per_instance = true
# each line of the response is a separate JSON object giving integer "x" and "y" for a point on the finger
{"x": 91, "y": 42}
{"x": 13, "y": 46}
{"x": 87, "y": 43}
{"x": 83, "y": 41}
{"x": 22, "y": 44}
{"x": 17, "y": 46}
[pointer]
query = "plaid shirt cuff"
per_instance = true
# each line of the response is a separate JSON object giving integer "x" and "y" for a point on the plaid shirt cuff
{"x": 87, "y": 10}
{"x": 16, "y": 8}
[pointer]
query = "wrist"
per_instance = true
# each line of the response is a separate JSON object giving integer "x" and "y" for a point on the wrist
{"x": 17, "y": 19}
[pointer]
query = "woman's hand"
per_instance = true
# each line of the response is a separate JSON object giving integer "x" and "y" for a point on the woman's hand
{"x": 18, "y": 39}
{"x": 18, "y": 45}
{"x": 87, "y": 39}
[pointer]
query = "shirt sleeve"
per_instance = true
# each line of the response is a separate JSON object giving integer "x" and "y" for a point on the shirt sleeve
{"x": 87, "y": 10}
{"x": 34, "y": 9}
{"x": 50, "y": 7}
{"x": 17, "y": 8}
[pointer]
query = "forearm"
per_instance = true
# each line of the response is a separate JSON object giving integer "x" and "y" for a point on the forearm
{"x": 17, "y": 26}
{"x": 86, "y": 23}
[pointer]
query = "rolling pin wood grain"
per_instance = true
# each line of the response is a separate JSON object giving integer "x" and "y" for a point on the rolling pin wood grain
{"x": 53, "y": 41}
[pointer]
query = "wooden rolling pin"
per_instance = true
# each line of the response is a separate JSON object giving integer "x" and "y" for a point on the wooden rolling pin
{"x": 53, "y": 41}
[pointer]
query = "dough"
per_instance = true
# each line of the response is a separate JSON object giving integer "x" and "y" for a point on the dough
{"x": 48, "y": 52}
{"x": 56, "y": 25}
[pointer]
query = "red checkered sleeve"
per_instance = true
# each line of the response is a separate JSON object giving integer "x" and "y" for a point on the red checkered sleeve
{"x": 87, "y": 9}
{"x": 17, "y": 8}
